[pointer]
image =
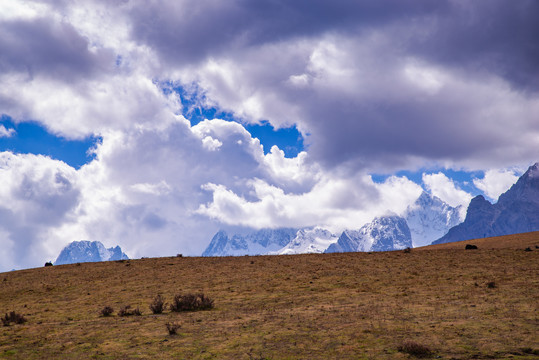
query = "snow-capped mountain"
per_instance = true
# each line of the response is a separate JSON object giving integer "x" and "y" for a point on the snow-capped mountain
{"x": 259, "y": 242}
{"x": 315, "y": 240}
{"x": 429, "y": 218}
{"x": 516, "y": 211}
{"x": 88, "y": 251}
{"x": 382, "y": 234}
{"x": 425, "y": 220}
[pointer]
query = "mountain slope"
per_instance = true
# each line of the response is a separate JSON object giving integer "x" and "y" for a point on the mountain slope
{"x": 517, "y": 211}
{"x": 429, "y": 218}
{"x": 88, "y": 251}
{"x": 382, "y": 234}
{"x": 258, "y": 242}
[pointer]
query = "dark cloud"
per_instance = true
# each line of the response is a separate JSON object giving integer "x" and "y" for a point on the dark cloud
{"x": 51, "y": 49}
{"x": 495, "y": 36}
{"x": 190, "y": 31}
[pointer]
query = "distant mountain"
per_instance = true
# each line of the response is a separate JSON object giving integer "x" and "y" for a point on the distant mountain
{"x": 258, "y": 242}
{"x": 382, "y": 234}
{"x": 429, "y": 218}
{"x": 88, "y": 251}
{"x": 516, "y": 211}
{"x": 424, "y": 221}
{"x": 315, "y": 240}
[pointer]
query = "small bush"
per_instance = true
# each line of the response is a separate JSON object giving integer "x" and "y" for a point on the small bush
{"x": 528, "y": 249}
{"x": 13, "y": 317}
{"x": 127, "y": 311}
{"x": 191, "y": 302}
{"x": 407, "y": 250}
{"x": 173, "y": 328}
{"x": 107, "y": 311}
{"x": 491, "y": 285}
{"x": 470, "y": 247}
{"x": 415, "y": 349}
{"x": 158, "y": 305}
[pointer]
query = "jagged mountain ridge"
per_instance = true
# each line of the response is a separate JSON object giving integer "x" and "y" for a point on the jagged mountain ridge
{"x": 88, "y": 251}
{"x": 424, "y": 221}
{"x": 382, "y": 234}
{"x": 516, "y": 211}
{"x": 256, "y": 243}
{"x": 429, "y": 218}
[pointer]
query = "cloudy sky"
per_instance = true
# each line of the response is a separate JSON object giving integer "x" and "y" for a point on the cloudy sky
{"x": 153, "y": 124}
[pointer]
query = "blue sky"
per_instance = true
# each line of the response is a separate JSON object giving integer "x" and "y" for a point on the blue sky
{"x": 368, "y": 107}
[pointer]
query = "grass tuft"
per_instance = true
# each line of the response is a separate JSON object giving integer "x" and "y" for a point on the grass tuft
{"x": 107, "y": 311}
{"x": 172, "y": 328}
{"x": 415, "y": 349}
{"x": 158, "y": 305}
{"x": 191, "y": 302}
{"x": 127, "y": 311}
{"x": 13, "y": 317}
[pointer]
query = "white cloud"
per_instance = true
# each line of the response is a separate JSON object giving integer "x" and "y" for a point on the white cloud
{"x": 6, "y": 132}
{"x": 367, "y": 87}
{"x": 496, "y": 181}
{"x": 440, "y": 185}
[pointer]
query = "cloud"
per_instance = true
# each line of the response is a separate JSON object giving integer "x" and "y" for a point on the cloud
{"x": 440, "y": 185}
{"x": 333, "y": 203}
{"x": 496, "y": 181}
{"x": 37, "y": 194}
{"x": 372, "y": 87}
{"x": 6, "y": 132}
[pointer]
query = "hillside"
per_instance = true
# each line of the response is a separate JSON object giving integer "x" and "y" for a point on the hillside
{"x": 459, "y": 304}
{"x": 514, "y": 241}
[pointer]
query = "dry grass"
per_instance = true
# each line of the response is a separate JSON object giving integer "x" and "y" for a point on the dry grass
{"x": 334, "y": 306}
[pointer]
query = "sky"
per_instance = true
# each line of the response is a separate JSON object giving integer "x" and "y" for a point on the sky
{"x": 153, "y": 124}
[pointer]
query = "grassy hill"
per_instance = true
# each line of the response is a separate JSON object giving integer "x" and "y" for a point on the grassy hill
{"x": 455, "y": 303}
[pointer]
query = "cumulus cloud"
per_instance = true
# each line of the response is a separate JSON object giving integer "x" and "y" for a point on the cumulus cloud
{"x": 372, "y": 86}
{"x": 445, "y": 188}
{"x": 6, "y": 132}
{"x": 37, "y": 194}
{"x": 496, "y": 181}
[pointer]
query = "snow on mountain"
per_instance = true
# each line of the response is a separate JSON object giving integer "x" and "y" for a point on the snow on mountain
{"x": 88, "y": 251}
{"x": 424, "y": 221}
{"x": 255, "y": 243}
{"x": 516, "y": 211}
{"x": 429, "y": 218}
{"x": 382, "y": 234}
{"x": 315, "y": 240}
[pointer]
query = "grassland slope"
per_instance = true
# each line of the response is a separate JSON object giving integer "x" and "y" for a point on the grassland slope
{"x": 458, "y": 304}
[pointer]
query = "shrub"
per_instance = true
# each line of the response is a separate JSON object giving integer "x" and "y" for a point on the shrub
{"x": 158, "y": 305}
{"x": 107, "y": 311}
{"x": 173, "y": 328}
{"x": 491, "y": 285}
{"x": 470, "y": 247}
{"x": 528, "y": 249}
{"x": 127, "y": 311}
{"x": 407, "y": 250}
{"x": 191, "y": 302}
{"x": 13, "y": 317}
{"x": 415, "y": 349}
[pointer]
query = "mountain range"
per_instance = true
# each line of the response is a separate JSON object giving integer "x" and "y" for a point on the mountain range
{"x": 516, "y": 211}
{"x": 88, "y": 251}
{"x": 428, "y": 220}
{"x": 425, "y": 220}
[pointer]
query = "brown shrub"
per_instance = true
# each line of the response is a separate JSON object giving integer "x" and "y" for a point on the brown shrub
{"x": 191, "y": 302}
{"x": 415, "y": 349}
{"x": 13, "y": 317}
{"x": 158, "y": 305}
{"x": 172, "y": 328}
{"x": 107, "y": 311}
{"x": 127, "y": 311}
